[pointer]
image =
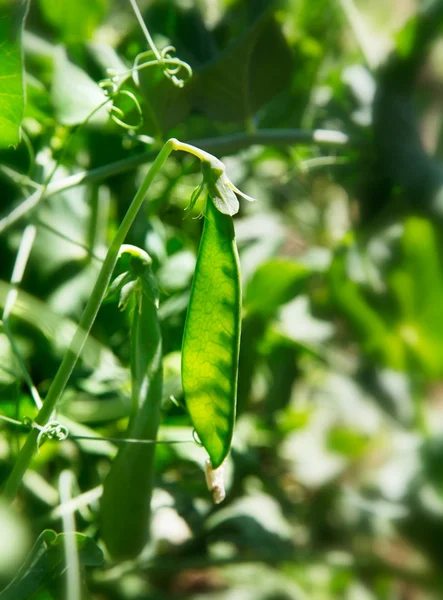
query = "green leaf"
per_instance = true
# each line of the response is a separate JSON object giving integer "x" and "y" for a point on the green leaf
{"x": 75, "y": 95}
{"x": 406, "y": 38}
{"x": 247, "y": 75}
{"x": 374, "y": 334}
{"x": 418, "y": 287}
{"x": 74, "y": 21}
{"x": 274, "y": 283}
{"x": 347, "y": 441}
{"x": 12, "y": 100}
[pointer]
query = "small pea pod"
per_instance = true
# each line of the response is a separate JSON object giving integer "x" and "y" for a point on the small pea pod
{"x": 211, "y": 339}
{"x": 125, "y": 509}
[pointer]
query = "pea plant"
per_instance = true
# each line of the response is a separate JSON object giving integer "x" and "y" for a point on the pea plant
{"x": 210, "y": 345}
{"x": 222, "y": 404}
{"x": 203, "y": 395}
{"x": 212, "y": 328}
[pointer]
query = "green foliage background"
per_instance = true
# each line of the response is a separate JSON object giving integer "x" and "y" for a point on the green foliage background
{"x": 329, "y": 113}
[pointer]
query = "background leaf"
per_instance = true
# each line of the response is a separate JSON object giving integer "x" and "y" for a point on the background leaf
{"x": 74, "y": 94}
{"x": 249, "y": 73}
{"x": 74, "y": 22}
{"x": 46, "y": 563}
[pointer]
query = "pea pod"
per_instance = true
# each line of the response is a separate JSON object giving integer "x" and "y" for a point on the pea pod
{"x": 212, "y": 336}
{"x": 125, "y": 509}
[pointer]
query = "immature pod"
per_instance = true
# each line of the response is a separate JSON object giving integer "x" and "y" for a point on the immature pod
{"x": 125, "y": 509}
{"x": 211, "y": 339}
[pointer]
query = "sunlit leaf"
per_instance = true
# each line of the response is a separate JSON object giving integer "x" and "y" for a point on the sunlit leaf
{"x": 75, "y": 95}
{"x": 12, "y": 100}
{"x": 74, "y": 21}
{"x": 274, "y": 283}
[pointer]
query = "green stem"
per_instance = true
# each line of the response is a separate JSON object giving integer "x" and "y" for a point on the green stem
{"x": 146, "y": 33}
{"x": 24, "y": 250}
{"x": 221, "y": 146}
{"x": 70, "y": 359}
{"x": 93, "y": 224}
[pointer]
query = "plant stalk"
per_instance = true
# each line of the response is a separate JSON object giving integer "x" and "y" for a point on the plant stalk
{"x": 87, "y": 320}
{"x": 222, "y": 146}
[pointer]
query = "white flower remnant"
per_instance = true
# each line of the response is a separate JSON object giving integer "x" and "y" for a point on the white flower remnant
{"x": 215, "y": 482}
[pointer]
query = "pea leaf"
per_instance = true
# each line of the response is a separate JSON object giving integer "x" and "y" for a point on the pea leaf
{"x": 247, "y": 75}
{"x": 376, "y": 337}
{"x": 418, "y": 288}
{"x": 12, "y": 99}
{"x": 274, "y": 283}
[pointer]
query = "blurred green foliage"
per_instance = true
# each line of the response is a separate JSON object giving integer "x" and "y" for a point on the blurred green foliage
{"x": 335, "y": 481}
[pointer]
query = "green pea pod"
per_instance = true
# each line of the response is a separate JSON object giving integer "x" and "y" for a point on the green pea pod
{"x": 126, "y": 500}
{"x": 211, "y": 339}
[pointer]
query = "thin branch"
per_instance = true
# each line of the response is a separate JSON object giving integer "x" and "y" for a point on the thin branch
{"x": 72, "y": 582}
{"x": 69, "y": 239}
{"x": 368, "y": 566}
{"x": 143, "y": 27}
{"x": 24, "y": 250}
{"x": 18, "y": 178}
{"x": 221, "y": 146}
{"x": 73, "y": 504}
